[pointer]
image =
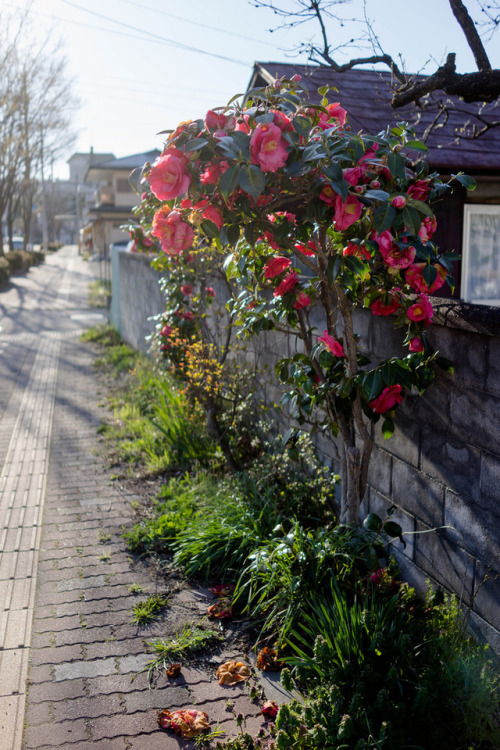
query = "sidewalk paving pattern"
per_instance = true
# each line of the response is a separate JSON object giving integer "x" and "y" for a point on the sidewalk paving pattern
{"x": 68, "y": 648}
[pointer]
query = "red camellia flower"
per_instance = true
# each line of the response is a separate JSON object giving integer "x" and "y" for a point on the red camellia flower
{"x": 267, "y": 148}
{"x": 287, "y": 285}
{"x": 174, "y": 234}
{"x": 328, "y": 195}
{"x": 166, "y": 330}
{"x": 310, "y": 251}
{"x": 421, "y": 311}
{"x": 210, "y": 292}
{"x": 419, "y": 190}
{"x": 396, "y": 255}
{"x": 211, "y": 174}
{"x": 275, "y": 266}
{"x": 383, "y": 306}
{"x": 416, "y": 344}
{"x": 187, "y": 289}
{"x": 360, "y": 251}
{"x": 168, "y": 177}
{"x": 414, "y": 277}
{"x": 330, "y": 343}
{"x": 214, "y": 215}
{"x": 346, "y": 212}
{"x": 303, "y": 300}
{"x": 390, "y": 396}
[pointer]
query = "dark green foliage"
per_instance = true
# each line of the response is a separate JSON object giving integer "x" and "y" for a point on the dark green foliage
{"x": 4, "y": 271}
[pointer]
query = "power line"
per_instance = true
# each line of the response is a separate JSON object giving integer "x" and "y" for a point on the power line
{"x": 198, "y": 23}
{"x": 164, "y": 40}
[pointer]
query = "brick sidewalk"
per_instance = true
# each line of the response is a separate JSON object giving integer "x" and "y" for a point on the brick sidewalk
{"x": 83, "y": 648}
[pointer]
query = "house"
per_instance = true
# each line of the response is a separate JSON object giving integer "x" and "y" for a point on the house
{"x": 114, "y": 198}
{"x": 468, "y": 222}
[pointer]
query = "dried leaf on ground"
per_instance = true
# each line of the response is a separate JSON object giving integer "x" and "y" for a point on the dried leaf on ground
{"x": 186, "y": 723}
{"x": 233, "y": 672}
{"x": 173, "y": 670}
{"x": 222, "y": 589}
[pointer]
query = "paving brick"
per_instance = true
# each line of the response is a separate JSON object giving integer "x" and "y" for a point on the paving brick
{"x": 169, "y": 697}
{"x": 56, "y": 691}
{"x": 117, "y": 683}
{"x": 116, "y": 744}
{"x": 127, "y": 725}
{"x": 55, "y": 734}
{"x": 158, "y": 740}
{"x": 81, "y": 708}
{"x": 55, "y": 655}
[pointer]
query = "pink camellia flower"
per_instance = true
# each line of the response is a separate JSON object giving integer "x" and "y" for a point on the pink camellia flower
{"x": 399, "y": 201}
{"x": 330, "y": 343}
{"x": 296, "y": 78}
{"x": 419, "y": 190}
{"x": 281, "y": 120}
{"x": 287, "y": 285}
{"x": 174, "y": 234}
{"x": 421, "y": 311}
{"x": 396, "y": 256}
{"x": 166, "y": 330}
{"x": 275, "y": 266}
{"x": 352, "y": 175}
{"x": 346, "y": 212}
{"x": 187, "y": 290}
{"x": 328, "y": 195}
{"x": 267, "y": 148}
{"x": 416, "y": 344}
{"x": 390, "y": 396}
{"x": 211, "y": 174}
{"x": 215, "y": 121}
{"x": 242, "y": 124}
{"x": 381, "y": 307}
{"x": 360, "y": 251}
{"x": 188, "y": 315}
{"x": 210, "y": 292}
{"x": 333, "y": 112}
{"x": 414, "y": 277}
{"x": 427, "y": 229}
{"x": 147, "y": 241}
{"x": 168, "y": 177}
{"x": 269, "y": 238}
{"x": 214, "y": 215}
{"x": 303, "y": 300}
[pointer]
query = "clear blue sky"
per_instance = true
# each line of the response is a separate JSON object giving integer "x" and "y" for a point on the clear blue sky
{"x": 142, "y": 66}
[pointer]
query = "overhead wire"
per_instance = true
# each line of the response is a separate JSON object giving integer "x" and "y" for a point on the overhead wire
{"x": 157, "y": 37}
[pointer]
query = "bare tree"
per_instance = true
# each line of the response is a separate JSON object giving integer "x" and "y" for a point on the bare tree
{"x": 481, "y": 85}
{"x": 36, "y": 105}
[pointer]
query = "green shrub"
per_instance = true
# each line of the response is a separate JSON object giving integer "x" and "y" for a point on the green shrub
{"x": 37, "y": 257}
{"x": 19, "y": 260}
{"x": 4, "y": 271}
{"x": 388, "y": 673}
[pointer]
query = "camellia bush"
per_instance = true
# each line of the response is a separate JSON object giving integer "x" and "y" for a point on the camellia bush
{"x": 311, "y": 215}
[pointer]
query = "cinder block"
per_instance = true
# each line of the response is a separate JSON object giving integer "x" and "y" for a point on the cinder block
{"x": 493, "y": 377}
{"x": 450, "y": 461}
{"x": 449, "y": 566}
{"x": 473, "y": 527}
{"x": 487, "y": 592}
{"x": 490, "y": 481}
{"x": 468, "y": 352}
{"x": 417, "y": 493}
{"x": 380, "y": 471}
{"x": 405, "y": 443}
{"x": 475, "y": 417}
{"x": 380, "y": 505}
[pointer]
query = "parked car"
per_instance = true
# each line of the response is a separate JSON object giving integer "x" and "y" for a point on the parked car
{"x": 18, "y": 243}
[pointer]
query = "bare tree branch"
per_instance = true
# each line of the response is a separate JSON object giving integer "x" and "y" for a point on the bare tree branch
{"x": 473, "y": 39}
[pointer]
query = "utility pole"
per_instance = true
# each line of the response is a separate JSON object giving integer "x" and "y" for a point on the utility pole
{"x": 45, "y": 241}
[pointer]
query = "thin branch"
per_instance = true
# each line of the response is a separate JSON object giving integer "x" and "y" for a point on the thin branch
{"x": 473, "y": 39}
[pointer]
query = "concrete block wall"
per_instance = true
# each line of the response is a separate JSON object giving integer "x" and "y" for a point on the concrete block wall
{"x": 136, "y": 297}
{"x": 442, "y": 466}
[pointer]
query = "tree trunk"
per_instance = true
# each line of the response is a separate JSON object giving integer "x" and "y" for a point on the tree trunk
{"x": 351, "y": 500}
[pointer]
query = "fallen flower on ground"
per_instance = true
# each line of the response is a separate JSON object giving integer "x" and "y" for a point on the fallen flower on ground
{"x": 174, "y": 670}
{"x": 270, "y": 709}
{"x": 233, "y": 672}
{"x": 221, "y": 609}
{"x": 222, "y": 589}
{"x": 267, "y": 660}
{"x": 186, "y": 723}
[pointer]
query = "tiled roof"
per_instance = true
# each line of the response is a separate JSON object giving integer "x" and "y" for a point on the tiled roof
{"x": 366, "y": 96}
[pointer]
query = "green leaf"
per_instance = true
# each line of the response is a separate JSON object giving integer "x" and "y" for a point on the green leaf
{"x": 420, "y": 206}
{"x": 355, "y": 264}
{"x": 210, "y": 229}
{"x": 376, "y": 195}
{"x": 429, "y": 275}
{"x": 464, "y": 179}
{"x": 302, "y": 125}
{"x": 388, "y": 428}
{"x": 372, "y": 522}
{"x": 376, "y": 385}
{"x": 333, "y": 268}
{"x": 252, "y": 180}
{"x": 196, "y": 144}
{"x": 383, "y": 217}
{"x": 229, "y": 180}
{"x": 416, "y": 146}
{"x": 396, "y": 165}
{"x": 412, "y": 220}
{"x": 445, "y": 364}
{"x": 392, "y": 528}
